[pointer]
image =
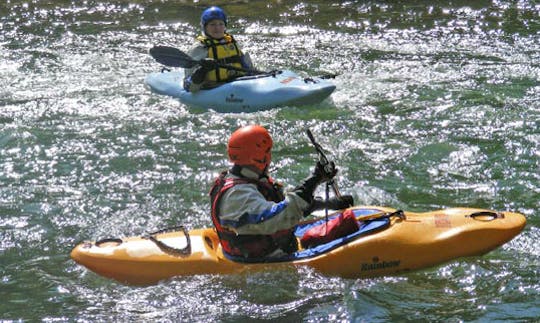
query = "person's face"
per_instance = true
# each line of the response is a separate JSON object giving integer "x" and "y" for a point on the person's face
{"x": 215, "y": 29}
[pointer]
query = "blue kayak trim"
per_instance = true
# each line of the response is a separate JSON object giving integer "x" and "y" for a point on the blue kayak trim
{"x": 246, "y": 94}
{"x": 251, "y": 218}
{"x": 367, "y": 227}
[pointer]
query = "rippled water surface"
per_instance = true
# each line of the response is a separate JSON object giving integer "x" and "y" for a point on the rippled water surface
{"x": 437, "y": 105}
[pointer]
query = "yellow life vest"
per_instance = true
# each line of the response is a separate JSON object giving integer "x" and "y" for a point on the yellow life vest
{"x": 225, "y": 51}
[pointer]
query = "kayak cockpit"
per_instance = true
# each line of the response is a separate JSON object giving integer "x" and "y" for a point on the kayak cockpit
{"x": 365, "y": 228}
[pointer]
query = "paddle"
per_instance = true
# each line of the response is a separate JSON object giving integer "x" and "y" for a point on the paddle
{"x": 328, "y": 76}
{"x": 174, "y": 57}
{"x": 398, "y": 213}
{"x": 324, "y": 162}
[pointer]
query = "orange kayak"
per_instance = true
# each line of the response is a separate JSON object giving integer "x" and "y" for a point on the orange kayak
{"x": 388, "y": 242}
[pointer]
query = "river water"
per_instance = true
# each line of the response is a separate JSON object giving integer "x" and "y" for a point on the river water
{"x": 437, "y": 105}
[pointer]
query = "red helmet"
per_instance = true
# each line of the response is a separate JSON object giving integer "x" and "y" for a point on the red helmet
{"x": 250, "y": 146}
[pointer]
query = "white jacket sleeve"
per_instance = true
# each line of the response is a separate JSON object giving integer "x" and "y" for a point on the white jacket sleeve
{"x": 245, "y": 210}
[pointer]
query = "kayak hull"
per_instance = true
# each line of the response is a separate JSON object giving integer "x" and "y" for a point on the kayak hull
{"x": 248, "y": 94}
{"x": 419, "y": 240}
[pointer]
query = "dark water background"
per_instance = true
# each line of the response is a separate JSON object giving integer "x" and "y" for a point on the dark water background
{"x": 438, "y": 105}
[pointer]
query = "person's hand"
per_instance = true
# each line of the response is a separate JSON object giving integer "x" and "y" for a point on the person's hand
{"x": 321, "y": 174}
{"x": 325, "y": 172}
{"x": 198, "y": 76}
{"x": 205, "y": 66}
{"x": 208, "y": 64}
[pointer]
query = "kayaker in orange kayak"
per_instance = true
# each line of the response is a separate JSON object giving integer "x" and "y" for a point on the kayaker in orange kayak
{"x": 252, "y": 215}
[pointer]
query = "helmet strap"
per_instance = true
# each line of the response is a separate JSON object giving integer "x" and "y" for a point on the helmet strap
{"x": 244, "y": 171}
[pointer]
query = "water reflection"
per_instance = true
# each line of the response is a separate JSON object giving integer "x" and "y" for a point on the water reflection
{"x": 437, "y": 106}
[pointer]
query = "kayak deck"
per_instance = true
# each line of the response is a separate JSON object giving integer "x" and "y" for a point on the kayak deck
{"x": 393, "y": 245}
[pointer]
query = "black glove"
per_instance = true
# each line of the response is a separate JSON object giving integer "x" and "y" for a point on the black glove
{"x": 326, "y": 172}
{"x": 334, "y": 203}
{"x": 320, "y": 175}
{"x": 198, "y": 76}
{"x": 208, "y": 64}
{"x": 339, "y": 203}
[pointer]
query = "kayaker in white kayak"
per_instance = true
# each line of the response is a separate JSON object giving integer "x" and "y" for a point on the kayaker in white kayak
{"x": 252, "y": 215}
{"x": 212, "y": 46}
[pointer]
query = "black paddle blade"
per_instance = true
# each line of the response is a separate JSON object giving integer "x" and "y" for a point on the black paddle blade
{"x": 171, "y": 56}
{"x": 328, "y": 76}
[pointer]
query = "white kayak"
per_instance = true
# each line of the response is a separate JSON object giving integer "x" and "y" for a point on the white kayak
{"x": 246, "y": 94}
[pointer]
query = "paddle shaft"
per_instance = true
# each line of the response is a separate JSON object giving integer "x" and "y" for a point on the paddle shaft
{"x": 173, "y": 57}
{"x": 324, "y": 162}
{"x": 398, "y": 213}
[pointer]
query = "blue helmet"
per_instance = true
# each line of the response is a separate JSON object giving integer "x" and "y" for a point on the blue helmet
{"x": 211, "y": 14}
